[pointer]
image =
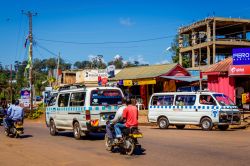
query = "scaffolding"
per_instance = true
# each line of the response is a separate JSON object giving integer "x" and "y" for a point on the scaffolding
{"x": 210, "y": 40}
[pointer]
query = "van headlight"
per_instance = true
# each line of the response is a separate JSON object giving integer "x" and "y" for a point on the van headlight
{"x": 223, "y": 115}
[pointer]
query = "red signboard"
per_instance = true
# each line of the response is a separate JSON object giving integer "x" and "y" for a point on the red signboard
{"x": 239, "y": 70}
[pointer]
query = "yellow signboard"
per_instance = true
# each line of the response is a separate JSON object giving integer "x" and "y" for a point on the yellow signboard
{"x": 146, "y": 82}
{"x": 127, "y": 82}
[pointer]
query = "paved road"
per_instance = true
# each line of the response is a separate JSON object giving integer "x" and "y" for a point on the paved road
{"x": 163, "y": 147}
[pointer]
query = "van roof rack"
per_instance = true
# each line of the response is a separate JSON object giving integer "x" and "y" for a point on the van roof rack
{"x": 71, "y": 86}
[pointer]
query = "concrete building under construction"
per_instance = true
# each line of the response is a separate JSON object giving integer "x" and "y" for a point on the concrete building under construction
{"x": 210, "y": 40}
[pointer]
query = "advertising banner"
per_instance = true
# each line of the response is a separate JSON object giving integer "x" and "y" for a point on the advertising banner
{"x": 241, "y": 56}
{"x": 239, "y": 70}
{"x": 25, "y": 97}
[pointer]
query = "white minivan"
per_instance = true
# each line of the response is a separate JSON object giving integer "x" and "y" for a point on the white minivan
{"x": 206, "y": 109}
{"x": 82, "y": 110}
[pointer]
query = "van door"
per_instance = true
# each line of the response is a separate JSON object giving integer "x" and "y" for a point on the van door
{"x": 51, "y": 109}
{"x": 185, "y": 109}
{"x": 161, "y": 105}
{"x": 103, "y": 103}
{"x": 76, "y": 111}
{"x": 62, "y": 110}
{"x": 208, "y": 107}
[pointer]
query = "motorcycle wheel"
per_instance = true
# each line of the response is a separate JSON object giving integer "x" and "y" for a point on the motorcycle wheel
{"x": 6, "y": 133}
{"x": 108, "y": 143}
{"x": 17, "y": 135}
{"x": 130, "y": 146}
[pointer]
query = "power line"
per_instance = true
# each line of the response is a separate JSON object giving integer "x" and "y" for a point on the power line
{"x": 106, "y": 42}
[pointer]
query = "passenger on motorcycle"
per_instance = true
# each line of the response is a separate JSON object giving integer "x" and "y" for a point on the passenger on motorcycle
{"x": 130, "y": 114}
{"x": 15, "y": 113}
{"x": 117, "y": 119}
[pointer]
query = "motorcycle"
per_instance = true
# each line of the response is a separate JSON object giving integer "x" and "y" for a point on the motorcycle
{"x": 15, "y": 130}
{"x": 128, "y": 142}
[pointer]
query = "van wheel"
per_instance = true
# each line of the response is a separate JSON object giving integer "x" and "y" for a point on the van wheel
{"x": 180, "y": 126}
{"x": 223, "y": 127}
{"x": 52, "y": 128}
{"x": 163, "y": 123}
{"x": 206, "y": 124}
{"x": 77, "y": 131}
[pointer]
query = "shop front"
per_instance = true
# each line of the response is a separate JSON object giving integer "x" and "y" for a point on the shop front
{"x": 239, "y": 70}
{"x": 141, "y": 82}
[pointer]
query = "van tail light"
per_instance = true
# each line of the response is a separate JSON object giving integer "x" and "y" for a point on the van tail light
{"x": 87, "y": 113}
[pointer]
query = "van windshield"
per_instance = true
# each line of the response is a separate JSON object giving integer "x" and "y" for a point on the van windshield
{"x": 106, "y": 97}
{"x": 223, "y": 100}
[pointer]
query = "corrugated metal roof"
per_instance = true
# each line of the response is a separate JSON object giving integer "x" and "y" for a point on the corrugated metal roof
{"x": 221, "y": 66}
{"x": 144, "y": 71}
{"x": 185, "y": 78}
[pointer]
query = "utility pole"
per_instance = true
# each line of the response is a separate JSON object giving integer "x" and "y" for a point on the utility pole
{"x": 57, "y": 69}
{"x": 29, "y": 14}
{"x": 11, "y": 94}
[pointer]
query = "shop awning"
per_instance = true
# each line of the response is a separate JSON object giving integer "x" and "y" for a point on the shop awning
{"x": 185, "y": 78}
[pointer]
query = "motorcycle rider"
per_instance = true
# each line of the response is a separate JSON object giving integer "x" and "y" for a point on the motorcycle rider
{"x": 16, "y": 113}
{"x": 117, "y": 119}
{"x": 130, "y": 114}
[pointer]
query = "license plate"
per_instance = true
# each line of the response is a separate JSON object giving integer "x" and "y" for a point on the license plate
{"x": 137, "y": 135}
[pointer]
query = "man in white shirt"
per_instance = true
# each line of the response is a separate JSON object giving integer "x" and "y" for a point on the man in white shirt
{"x": 118, "y": 118}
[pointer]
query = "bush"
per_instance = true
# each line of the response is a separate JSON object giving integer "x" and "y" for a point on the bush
{"x": 37, "y": 112}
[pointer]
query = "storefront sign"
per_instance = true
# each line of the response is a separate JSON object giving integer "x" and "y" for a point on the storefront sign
{"x": 239, "y": 70}
{"x": 127, "y": 82}
{"x": 146, "y": 82}
{"x": 241, "y": 56}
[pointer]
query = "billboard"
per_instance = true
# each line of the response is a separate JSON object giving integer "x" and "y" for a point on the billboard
{"x": 25, "y": 97}
{"x": 239, "y": 70}
{"x": 241, "y": 56}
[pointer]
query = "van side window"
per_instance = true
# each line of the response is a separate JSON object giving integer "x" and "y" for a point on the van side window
{"x": 207, "y": 100}
{"x": 183, "y": 100}
{"x": 162, "y": 100}
{"x": 77, "y": 99}
{"x": 63, "y": 100}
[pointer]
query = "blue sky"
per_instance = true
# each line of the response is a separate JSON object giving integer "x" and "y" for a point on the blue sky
{"x": 91, "y": 21}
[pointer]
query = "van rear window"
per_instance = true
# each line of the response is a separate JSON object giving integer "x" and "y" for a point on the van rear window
{"x": 106, "y": 97}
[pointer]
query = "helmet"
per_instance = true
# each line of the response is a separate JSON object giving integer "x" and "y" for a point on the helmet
{"x": 17, "y": 102}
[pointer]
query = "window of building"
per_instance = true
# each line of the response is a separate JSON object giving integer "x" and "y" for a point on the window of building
{"x": 77, "y": 99}
{"x": 183, "y": 100}
{"x": 63, "y": 100}
{"x": 162, "y": 100}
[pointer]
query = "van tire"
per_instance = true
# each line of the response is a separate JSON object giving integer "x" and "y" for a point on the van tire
{"x": 223, "y": 127}
{"x": 77, "y": 131}
{"x": 163, "y": 123}
{"x": 206, "y": 124}
{"x": 52, "y": 128}
{"x": 180, "y": 126}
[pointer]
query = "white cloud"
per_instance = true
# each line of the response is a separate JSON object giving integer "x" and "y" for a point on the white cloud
{"x": 138, "y": 58}
{"x": 126, "y": 22}
{"x": 162, "y": 62}
{"x": 117, "y": 56}
{"x": 91, "y": 57}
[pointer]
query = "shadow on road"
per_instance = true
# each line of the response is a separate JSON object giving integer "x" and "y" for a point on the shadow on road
{"x": 194, "y": 129}
{"x": 90, "y": 136}
{"x": 137, "y": 152}
{"x": 25, "y": 136}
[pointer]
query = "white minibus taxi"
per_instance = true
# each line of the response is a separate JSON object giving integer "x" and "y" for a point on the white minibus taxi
{"x": 82, "y": 110}
{"x": 206, "y": 109}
